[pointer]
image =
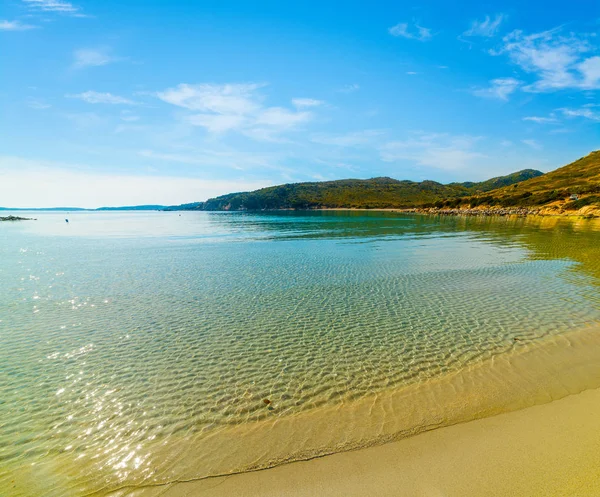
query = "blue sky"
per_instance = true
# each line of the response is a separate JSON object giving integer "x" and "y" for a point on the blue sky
{"x": 130, "y": 101}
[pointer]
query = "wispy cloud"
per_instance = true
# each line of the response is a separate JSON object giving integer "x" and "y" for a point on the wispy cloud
{"x": 222, "y": 159}
{"x": 15, "y": 26}
{"x": 236, "y": 99}
{"x": 236, "y": 106}
{"x": 590, "y": 71}
{"x": 94, "y": 97}
{"x": 281, "y": 117}
{"x": 414, "y": 32}
{"x": 437, "y": 150}
{"x": 486, "y": 28}
{"x": 587, "y": 111}
{"x": 307, "y": 102}
{"x": 348, "y": 88}
{"x": 85, "y": 120}
{"x": 500, "y": 88}
{"x": 202, "y": 159}
{"x": 533, "y": 144}
{"x": 59, "y": 6}
{"x": 352, "y": 139}
{"x": 558, "y": 61}
{"x": 541, "y": 120}
{"x": 92, "y": 57}
{"x": 37, "y": 104}
{"x": 217, "y": 123}
{"x": 127, "y": 116}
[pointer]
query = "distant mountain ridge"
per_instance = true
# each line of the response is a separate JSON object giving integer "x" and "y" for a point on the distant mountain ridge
{"x": 381, "y": 192}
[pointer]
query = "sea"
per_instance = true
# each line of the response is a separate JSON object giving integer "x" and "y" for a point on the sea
{"x": 142, "y": 349}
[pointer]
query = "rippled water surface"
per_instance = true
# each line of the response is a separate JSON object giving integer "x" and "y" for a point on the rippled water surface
{"x": 126, "y": 336}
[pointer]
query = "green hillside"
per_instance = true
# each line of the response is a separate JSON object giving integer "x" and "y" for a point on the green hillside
{"x": 355, "y": 193}
{"x": 500, "y": 181}
{"x": 552, "y": 191}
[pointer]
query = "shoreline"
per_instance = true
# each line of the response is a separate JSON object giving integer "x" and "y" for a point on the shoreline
{"x": 587, "y": 212}
{"x": 544, "y": 450}
{"x": 533, "y": 375}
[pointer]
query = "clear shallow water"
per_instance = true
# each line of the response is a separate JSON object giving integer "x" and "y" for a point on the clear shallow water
{"x": 126, "y": 336}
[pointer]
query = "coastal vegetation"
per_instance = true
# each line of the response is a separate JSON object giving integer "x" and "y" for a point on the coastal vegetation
{"x": 574, "y": 188}
{"x": 570, "y": 188}
{"x": 374, "y": 193}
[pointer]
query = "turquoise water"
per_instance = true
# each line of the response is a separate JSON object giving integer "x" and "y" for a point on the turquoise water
{"x": 123, "y": 335}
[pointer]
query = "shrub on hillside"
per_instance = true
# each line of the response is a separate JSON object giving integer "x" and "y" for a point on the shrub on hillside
{"x": 582, "y": 202}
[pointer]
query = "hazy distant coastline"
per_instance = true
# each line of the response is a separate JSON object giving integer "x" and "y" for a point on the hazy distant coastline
{"x": 82, "y": 209}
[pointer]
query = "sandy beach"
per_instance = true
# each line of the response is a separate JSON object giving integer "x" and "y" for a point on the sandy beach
{"x": 547, "y": 445}
{"x": 546, "y": 450}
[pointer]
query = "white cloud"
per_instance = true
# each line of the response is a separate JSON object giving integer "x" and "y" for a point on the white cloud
{"x": 353, "y": 139}
{"x": 437, "y": 150}
{"x": 412, "y": 73}
{"x": 349, "y": 88}
{"x": 307, "y": 102}
{"x": 217, "y": 123}
{"x": 533, "y": 144}
{"x": 59, "y": 184}
{"x": 417, "y": 32}
{"x": 500, "y": 88}
{"x": 53, "y": 6}
{"x": 541, "y": 120}
{"x": 236, "y": 107}
{"x": 590, "y": 71}
{"x": 94, "y": 97}
{"x": 282, "y": 118}
{"x": 558, "y": 61}
{"x": 221, "y": 99}
{"x": 587, "y": 111}
{"x": 486, "y": 28}
{"x": 91, "y": 57}
{"x": 14, "y": 26}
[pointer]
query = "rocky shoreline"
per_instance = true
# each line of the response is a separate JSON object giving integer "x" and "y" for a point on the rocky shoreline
{"x": 16, "y": 218}
{"x": 588, "y": 212}
{"x": 476, "y": 212}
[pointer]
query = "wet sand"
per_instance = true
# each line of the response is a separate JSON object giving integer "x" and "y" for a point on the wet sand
{"x": 545, "y": 450}
{"x": 525, "y": 423}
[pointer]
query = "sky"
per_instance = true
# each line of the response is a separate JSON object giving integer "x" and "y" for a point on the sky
{"x": 166, "y": 102}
